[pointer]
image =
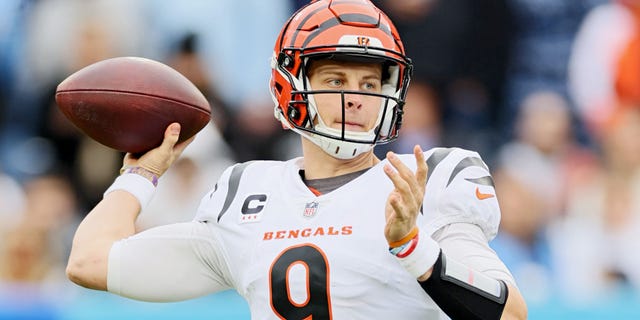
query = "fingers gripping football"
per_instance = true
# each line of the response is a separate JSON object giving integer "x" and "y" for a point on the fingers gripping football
{"x": 404, "y": 202}
{"x": 158, "y": 160}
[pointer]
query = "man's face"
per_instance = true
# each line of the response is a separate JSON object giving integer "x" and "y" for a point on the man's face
{"x": 361, "y": 111}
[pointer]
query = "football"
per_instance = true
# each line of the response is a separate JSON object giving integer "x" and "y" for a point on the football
{"x": 126, "y": 103}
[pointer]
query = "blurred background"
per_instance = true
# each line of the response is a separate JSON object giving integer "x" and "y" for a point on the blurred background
{"x": 548, "y": 91}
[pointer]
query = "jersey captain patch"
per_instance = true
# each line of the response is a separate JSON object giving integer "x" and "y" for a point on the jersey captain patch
{"x": 252, "y": 208}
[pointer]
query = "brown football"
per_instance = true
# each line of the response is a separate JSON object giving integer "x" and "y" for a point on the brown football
{"x": 126, "y": 103}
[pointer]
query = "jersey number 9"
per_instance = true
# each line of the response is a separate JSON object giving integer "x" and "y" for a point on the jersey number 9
{"x": 318, "y": 302}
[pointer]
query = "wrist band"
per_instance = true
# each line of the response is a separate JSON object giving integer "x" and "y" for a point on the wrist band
{"x": 143, "y": 172}
{"x": 138, "y": 186}
{"x": 406, "y": 249}
{"x": 405, "y": 239}
{"x": 419, "y": 255}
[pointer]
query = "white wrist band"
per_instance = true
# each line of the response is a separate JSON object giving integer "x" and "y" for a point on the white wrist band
{"x": 423, "y": 257}
{"x": 137, "y": 185}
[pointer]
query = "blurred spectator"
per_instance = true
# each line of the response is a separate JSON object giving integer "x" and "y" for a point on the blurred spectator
{"x": 603, "y": 70}
{"x": 458, "y": 48}
{"x": 34, "y": 284}
{"x": 13, "y": 23}
{"x": 600, "y": 233}
{"x": 421, "y": 123}
{"x": 597, "y": 244}
{"x": 12, "y": 201}
{"x": 26, "y": 267}
{"x": 51, "y": 205}
{"x": 34, "y": 250}
{"x": 534, "y": 174}
{"x": 235, "y": 47}
{"x": 542, "y": 36}
{"x": 187, "y": 58}
{"x": 11, "y": 20}
{"x": 25, "y": 255}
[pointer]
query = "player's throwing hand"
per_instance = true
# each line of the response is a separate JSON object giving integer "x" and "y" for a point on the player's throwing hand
{"x": 405, "y": 200}
{"x": 158, "y": 160}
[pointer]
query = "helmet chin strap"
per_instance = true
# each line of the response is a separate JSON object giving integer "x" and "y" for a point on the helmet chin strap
{"x": 339, "y": 149}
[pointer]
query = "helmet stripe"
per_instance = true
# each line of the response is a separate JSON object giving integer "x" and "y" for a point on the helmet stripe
{"x": 333, "y": 22}
{"x": 302, "y": 23}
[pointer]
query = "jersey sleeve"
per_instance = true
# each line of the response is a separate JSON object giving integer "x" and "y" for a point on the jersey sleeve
{"x": 168, "y": 263}
{"x": 467, "y": 244}
{"x": 216, "y": 202}
{"x": 460, "y": 189}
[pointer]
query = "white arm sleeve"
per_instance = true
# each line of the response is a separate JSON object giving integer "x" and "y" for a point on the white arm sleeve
{"x": 467, "y": 244}
{"x": 168, "y": 263}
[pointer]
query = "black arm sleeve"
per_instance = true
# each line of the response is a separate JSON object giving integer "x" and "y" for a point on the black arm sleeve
{"x": 461, "y": 300}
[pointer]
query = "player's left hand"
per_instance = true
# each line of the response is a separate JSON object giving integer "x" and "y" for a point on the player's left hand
{"x": 404, "y": 202}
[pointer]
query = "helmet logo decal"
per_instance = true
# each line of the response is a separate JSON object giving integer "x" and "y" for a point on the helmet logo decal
{"x": 360, "y": 40}
{"x": 363, "y": 41}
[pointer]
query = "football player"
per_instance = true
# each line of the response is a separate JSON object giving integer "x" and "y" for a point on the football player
{"x": 334, "y": 234}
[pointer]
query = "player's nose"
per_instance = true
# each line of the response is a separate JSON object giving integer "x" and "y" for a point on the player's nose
{"x": 353, "y": 100}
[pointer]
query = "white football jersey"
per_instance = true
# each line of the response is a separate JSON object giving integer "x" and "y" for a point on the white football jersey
{"x": 292, "y": 254}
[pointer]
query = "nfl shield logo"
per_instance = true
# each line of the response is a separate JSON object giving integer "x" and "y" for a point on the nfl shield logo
{"x": 310, "y": 209}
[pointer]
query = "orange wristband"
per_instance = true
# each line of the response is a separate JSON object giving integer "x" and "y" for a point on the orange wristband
{"x": 404, "y": 239}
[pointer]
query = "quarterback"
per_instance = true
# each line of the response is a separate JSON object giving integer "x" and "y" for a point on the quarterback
{"x": 334, "y": 234}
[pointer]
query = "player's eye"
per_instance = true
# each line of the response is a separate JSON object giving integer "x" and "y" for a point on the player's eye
{"x": 334, "y": 82}
{"x": 371, "y": 86}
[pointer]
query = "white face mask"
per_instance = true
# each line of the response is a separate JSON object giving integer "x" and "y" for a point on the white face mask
{"x": 338, "y": 148}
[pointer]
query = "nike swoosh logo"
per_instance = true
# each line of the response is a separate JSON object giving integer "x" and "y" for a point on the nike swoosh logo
{"x": 483, "y": 196}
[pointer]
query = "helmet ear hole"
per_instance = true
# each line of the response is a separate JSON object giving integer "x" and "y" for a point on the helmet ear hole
{"x": 297, "y": 114}
{"x": 285, "y": 60}
{"x": 278, "y": 87}
{"x": 294, "y": 114}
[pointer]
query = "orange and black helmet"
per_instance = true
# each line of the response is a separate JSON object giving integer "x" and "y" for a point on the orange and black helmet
{"x": 354, "y": 30}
